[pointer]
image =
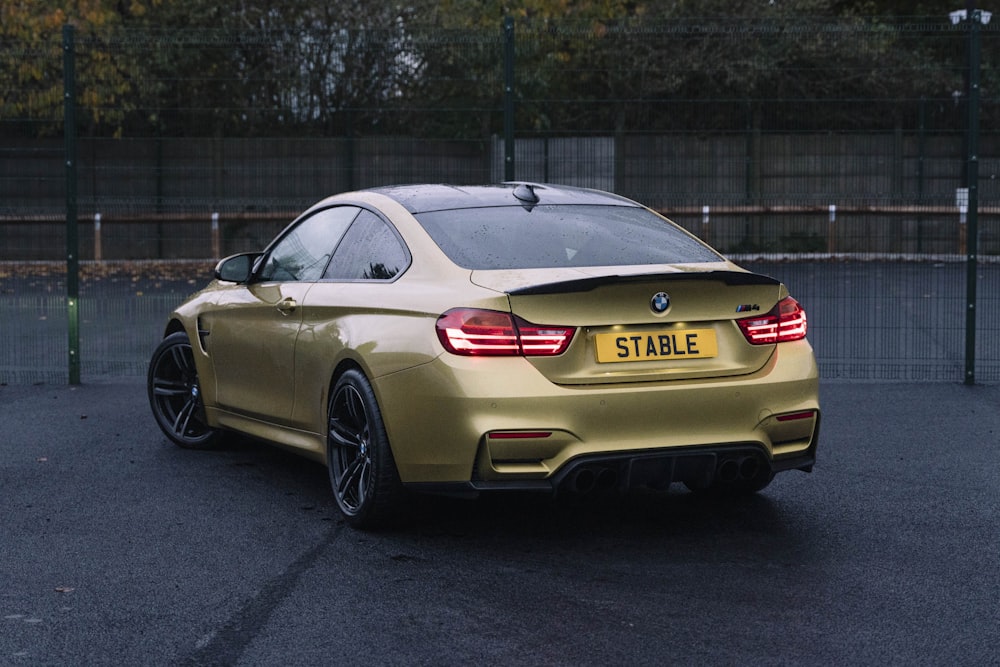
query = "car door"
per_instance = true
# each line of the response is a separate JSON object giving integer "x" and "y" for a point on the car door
{"x": 252, "y": 339}
{"x": 349, "y": 309}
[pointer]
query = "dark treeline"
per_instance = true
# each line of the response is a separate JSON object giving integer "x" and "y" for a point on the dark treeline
{"x": 437, "y": 69}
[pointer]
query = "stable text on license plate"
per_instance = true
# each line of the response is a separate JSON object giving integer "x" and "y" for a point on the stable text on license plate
{"x": 678, "y": 344}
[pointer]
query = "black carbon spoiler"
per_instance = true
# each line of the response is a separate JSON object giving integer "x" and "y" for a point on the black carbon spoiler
{"x": 588, "y": 284}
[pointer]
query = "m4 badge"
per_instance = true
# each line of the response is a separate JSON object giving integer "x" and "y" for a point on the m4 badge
{"x": 747, "y": 308}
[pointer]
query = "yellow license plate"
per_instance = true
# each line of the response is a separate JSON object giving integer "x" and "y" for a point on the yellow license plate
{"x": 678, "y": 344}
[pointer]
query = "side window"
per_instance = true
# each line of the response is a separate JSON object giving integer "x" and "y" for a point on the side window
{"x": 303, "y": 253}
{"x": 370, "y": 251}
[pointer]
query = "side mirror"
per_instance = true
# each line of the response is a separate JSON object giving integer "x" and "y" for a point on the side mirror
{"x": 236, "y": 268}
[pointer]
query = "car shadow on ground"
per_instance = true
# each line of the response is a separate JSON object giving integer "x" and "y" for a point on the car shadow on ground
{"x": 675, "y": 511}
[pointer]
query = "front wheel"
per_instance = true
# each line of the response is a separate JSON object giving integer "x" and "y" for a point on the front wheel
{"x": 175, "y": 395}
{"x": 362, "y": 470}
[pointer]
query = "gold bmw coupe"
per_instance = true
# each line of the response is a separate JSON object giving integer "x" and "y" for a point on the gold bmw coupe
{"x": 460, "y": 340}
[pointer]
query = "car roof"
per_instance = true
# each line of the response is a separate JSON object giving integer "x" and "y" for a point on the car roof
{"x": 440, "y": 197}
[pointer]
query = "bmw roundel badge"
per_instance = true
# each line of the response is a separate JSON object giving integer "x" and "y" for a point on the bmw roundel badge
{"x": 660, "y": 302}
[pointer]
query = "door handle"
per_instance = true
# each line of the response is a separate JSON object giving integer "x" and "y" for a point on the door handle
{"x": 287, "y": 306}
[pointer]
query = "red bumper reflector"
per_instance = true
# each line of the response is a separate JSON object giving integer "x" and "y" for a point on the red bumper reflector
{"x": 518, "y": 435}
{"x": 809, "y": 414}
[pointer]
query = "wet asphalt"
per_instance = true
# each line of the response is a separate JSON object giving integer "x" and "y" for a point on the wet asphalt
{"x": 117, "y": 548}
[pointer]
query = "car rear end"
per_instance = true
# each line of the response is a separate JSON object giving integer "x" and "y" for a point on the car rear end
{"x": 680, "y": 367}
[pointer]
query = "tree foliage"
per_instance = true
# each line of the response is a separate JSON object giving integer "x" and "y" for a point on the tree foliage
{"x": 435, "y": 67}
{"x": 31, "y": 63}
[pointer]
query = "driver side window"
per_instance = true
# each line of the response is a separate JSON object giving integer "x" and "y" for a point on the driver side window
{"x": 303, "y": 253}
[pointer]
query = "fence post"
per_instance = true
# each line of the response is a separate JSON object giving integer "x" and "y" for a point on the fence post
{"x": 508, "y": 98}
{"x": 976, "y": 18}
{"x": 216, "y": 243}
{"x": 921, "y": 151}
{"x": 72, "y": 233}
{"x": 831, "y": 231}
{"x": 97, "y": 238}
{"x": 962, "y": 204}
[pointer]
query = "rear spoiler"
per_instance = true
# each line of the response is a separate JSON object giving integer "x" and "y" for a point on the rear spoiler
{"x": 587, "y": 284}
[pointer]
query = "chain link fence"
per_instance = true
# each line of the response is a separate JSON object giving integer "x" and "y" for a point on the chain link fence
{"x": 834, "y": 155}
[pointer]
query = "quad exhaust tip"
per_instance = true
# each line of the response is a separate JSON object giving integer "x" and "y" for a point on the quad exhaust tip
{"x": 593, "y": 479}
{"x": 738, "y": 468}
{"x": 597, "y": 478}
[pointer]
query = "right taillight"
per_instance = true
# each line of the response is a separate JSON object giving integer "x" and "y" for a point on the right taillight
{"x": 785, "y": 322}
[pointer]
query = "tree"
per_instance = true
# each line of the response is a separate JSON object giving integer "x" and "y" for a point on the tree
{"x": 31, "y": 77}
{"x": 435, "y": 67}
{"x": 273, "y": 66}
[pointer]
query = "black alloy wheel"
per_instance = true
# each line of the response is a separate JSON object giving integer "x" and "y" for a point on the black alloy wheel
{"x": 362, "y": 470}
{"x": 175, "y": 395}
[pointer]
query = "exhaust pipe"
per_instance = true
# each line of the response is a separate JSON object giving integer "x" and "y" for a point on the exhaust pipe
{"x": 583, "y": 481}
{"x": 729, "y": 471}
{"x": 739, "y": 468}
{"x": 749, "y": 467}
{"x": 607, "y": 479}
{"x": 593, "y": 479}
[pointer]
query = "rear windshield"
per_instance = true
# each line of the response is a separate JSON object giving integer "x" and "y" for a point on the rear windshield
{"x": 512, "y": 237}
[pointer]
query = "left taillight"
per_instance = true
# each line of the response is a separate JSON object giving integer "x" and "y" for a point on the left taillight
{"x": 785, "y": 322}
{"x": 477, "y": 332}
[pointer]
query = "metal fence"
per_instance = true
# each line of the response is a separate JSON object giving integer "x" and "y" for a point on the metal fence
{"x": 836, "y": 155}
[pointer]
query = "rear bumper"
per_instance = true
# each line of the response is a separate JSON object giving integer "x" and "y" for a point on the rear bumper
{"x": 474, "y": 424}
{"x": 623, "y": 472}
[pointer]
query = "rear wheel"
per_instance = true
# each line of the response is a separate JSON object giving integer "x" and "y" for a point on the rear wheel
{"x": 362, "y": 470}
{"x": 175, "y": 394}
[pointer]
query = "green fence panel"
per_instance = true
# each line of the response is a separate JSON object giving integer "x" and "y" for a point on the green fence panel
{"x": 830, "y": 153}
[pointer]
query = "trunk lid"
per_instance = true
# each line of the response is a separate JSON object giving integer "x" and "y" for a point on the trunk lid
{"x": 635, "y": 326}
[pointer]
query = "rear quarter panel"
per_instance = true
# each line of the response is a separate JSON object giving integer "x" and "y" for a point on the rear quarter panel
{"x": 382, "y": 328}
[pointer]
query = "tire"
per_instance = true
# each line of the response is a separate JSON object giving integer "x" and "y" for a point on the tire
{"x": 175, "y": 395}
{"x": 362, "y": 470}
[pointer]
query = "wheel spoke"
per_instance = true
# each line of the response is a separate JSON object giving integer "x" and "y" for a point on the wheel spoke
{"x": 184, "y": 416}
{"x": 360, "y": 415}
{"x": 348, "y": 423}
{"x": 354, "y": 407}
{"x": 343, "y": 435}
{"x": 353, "y": 477}
{"x": 362, "y": 481}
{"x": 182, "y": 359}
{"x": 170, "y": 388}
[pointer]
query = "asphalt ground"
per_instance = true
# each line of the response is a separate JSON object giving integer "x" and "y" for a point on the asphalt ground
{"x": 118, "y": 548}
